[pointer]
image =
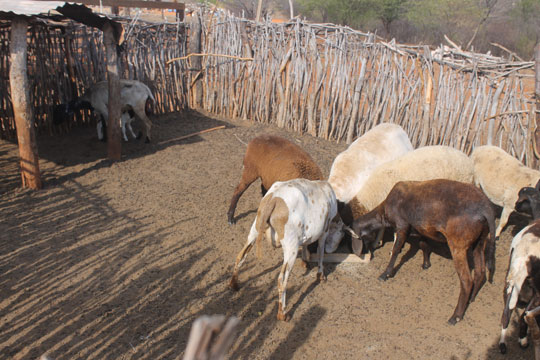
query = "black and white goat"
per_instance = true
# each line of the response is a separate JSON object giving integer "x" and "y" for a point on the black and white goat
{"x": 523, "y": 268}
{"x": 136, "y": 100}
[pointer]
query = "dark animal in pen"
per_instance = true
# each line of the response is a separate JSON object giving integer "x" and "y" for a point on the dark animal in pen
{"x": 444, "y": 211}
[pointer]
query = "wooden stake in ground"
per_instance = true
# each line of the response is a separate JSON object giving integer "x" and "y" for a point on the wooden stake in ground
{"x": 211, "y": 337}
{"x": 24, "y": 114}
{"x": 537, "y": 95}
{"x": 114, "y": 140}
{"x": 194, "y": 47}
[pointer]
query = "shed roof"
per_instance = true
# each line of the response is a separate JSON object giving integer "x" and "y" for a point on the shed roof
{"x": 58, "y": 10}
{"x": 30, "y": 8}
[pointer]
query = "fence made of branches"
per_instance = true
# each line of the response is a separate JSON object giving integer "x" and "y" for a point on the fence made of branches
{"x": 336, "y": 83}
{"x": 65, "y": 59}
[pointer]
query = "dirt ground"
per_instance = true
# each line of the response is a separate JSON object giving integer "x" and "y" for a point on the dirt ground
{"x": 116, "y": 261}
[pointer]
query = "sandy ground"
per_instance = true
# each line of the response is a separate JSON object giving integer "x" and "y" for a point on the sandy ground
{"x": 116, "y": 261}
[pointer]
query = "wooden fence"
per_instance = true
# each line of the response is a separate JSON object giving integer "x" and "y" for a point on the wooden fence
{"x": 336, "y": 83}
{"x": 64, "y": 60}
{"x": 328, "y": 81}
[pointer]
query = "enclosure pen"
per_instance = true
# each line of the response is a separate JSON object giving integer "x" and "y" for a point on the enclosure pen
{"x": 66, "y": 58}
{"x": 336, "y": 83}
{"x": 328, "y": 81}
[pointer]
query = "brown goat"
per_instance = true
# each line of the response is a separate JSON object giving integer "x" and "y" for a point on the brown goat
{"x": 444, "y": 211}
{"x": 272, "y": 158}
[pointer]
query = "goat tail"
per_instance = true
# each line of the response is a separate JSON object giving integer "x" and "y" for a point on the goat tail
{"x": 490, "y": 246}
{"x": 268, "y": 203}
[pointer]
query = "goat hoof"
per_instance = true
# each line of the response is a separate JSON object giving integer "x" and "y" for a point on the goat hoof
{"x": 502, "y": 348}
{"x": 233, "y": 285}
{"x": 231, "y": 220}
{"x": 321, "y": 277}
{"x": 283, "y": 317}
{"x": 383, "y": 277}
{"x": 139, "y": 135}
{"x": 523, "y": 343}
{"x": 426, "y": 266}
{"x": 453, "y": 320}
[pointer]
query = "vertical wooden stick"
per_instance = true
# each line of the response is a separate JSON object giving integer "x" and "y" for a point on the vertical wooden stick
{"x": 114, "y": 141}
{"x": 537, "y": 95}
{"x": 194, "y": 46}
{"x": 22, "y": 109}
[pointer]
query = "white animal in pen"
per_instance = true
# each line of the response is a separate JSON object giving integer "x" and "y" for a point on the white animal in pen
{"x": 135, "y": 98}
{"x": 293, "y": 214}
{"x": 501, "y": 176}
{"x": 352, "y": 167}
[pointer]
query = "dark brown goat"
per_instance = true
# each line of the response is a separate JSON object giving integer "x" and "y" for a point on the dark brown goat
{"x": 273, "y": 158}
{"x": 444, "y": 211}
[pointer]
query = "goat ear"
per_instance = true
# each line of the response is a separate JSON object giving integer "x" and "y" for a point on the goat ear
{"x": 537, "y": 187}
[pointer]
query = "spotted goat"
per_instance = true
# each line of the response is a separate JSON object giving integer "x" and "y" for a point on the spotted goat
{"x": 293, "y": 214}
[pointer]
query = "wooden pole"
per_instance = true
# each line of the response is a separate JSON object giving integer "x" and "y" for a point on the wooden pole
{"x": 291, "y": 8}
{"x": 537, "y": 96}
{"x": 179, "y": 13}
{"x": 259, "y": 7}
{"x": 22, "y": 109}
{"x": 114, "y": 140}
{"x": 194, "y": 47}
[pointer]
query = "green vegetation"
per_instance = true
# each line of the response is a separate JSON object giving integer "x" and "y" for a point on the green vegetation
{"x": 472, "y": 24}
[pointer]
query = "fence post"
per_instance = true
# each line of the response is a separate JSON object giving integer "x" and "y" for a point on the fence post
{"x": 22, "y": 108}
{"x": 537, "y": 96}
{"x": 194, "y": 47}
{"x": 114, "y": 140}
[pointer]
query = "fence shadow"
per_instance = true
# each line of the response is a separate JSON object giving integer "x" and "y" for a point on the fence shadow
{"x": 74, "y": 273}
{"x": 80, "y": 145}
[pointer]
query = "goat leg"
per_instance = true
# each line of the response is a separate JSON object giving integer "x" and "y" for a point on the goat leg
{"x": 462, "y": 268}
{"x": 396, "y": 249}
{"x": 249, "y": 175}
{"x": 530, "y": 319}
{"x": 289, "y": 257}
{"x": 426, "y": 252}
{"x": 320, "y": 252}
{"x": 233, "y": 284}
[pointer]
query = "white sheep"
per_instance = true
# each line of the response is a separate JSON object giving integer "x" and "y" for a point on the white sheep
{"x": 293, "y": 213}
{"x": 352, "y": 167}
{"x": 134, "y": 96}
{"x": 425, "y": 163}
{"x": 501, "y": 176}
